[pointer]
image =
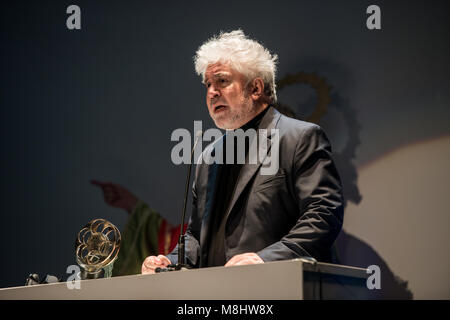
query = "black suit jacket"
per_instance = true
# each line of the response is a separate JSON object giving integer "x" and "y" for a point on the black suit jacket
{"x": 296, "y": 212}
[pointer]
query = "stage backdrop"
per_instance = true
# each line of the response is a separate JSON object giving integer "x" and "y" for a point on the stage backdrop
{"x": 101, "y": 103}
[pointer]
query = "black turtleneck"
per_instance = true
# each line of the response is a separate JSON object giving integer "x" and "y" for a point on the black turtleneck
{"x": 227, "y": 177}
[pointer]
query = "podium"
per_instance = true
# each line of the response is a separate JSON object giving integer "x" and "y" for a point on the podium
{"x": 281, "y": 280}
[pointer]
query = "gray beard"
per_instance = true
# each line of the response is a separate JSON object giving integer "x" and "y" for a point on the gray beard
{"x": 244, "y": 113}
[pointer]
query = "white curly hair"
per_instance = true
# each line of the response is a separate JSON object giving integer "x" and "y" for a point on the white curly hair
{"x": 243, "y": 54}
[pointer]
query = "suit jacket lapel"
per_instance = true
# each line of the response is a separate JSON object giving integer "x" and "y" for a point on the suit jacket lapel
{"x": 211, "y": 188}
{"x": 249, "y": 169}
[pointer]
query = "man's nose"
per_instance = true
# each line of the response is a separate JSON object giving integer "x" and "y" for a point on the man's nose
{"x": 213, "y": 92}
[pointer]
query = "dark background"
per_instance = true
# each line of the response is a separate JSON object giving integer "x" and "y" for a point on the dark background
{"x": 102, "y": 102}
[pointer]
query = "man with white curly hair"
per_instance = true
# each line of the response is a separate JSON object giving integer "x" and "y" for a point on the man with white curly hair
{"x": 241, "y": 216}
{"x": 233, "y": 56}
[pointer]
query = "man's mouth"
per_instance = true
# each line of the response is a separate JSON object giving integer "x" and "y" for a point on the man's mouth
{"x": 219, "y": 108}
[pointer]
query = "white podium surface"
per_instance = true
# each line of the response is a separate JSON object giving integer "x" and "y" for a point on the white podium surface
{"x": 280, "y": 280}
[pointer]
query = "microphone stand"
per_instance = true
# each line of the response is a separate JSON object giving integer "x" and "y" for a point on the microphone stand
{"x": 182, "y": 239}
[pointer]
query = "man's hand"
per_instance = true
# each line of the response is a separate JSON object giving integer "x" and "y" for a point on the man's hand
{"x": 244, "y": 258}
{"x": 116, "y": 195}
{"x": 153, "y": 262}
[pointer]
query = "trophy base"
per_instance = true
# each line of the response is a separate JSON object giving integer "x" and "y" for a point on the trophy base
{"x": 84, "y": 275}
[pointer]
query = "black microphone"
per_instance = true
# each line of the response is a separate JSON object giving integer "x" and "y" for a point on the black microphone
{"x": 182, "y": 239}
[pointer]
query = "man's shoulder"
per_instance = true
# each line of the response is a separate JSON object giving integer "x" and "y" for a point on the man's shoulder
{"x": 296, "y": 127}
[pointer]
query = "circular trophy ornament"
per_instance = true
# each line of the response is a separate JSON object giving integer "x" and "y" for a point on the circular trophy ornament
{"x": 97, "y": 247}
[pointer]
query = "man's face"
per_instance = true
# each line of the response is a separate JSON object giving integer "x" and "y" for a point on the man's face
{"x": 229, "y": 103}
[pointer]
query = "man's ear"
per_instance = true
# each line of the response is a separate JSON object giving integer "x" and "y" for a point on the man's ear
{"x": 256, "y": 88}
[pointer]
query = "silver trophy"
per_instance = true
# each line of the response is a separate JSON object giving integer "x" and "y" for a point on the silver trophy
{"x": 97, "y": 247}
